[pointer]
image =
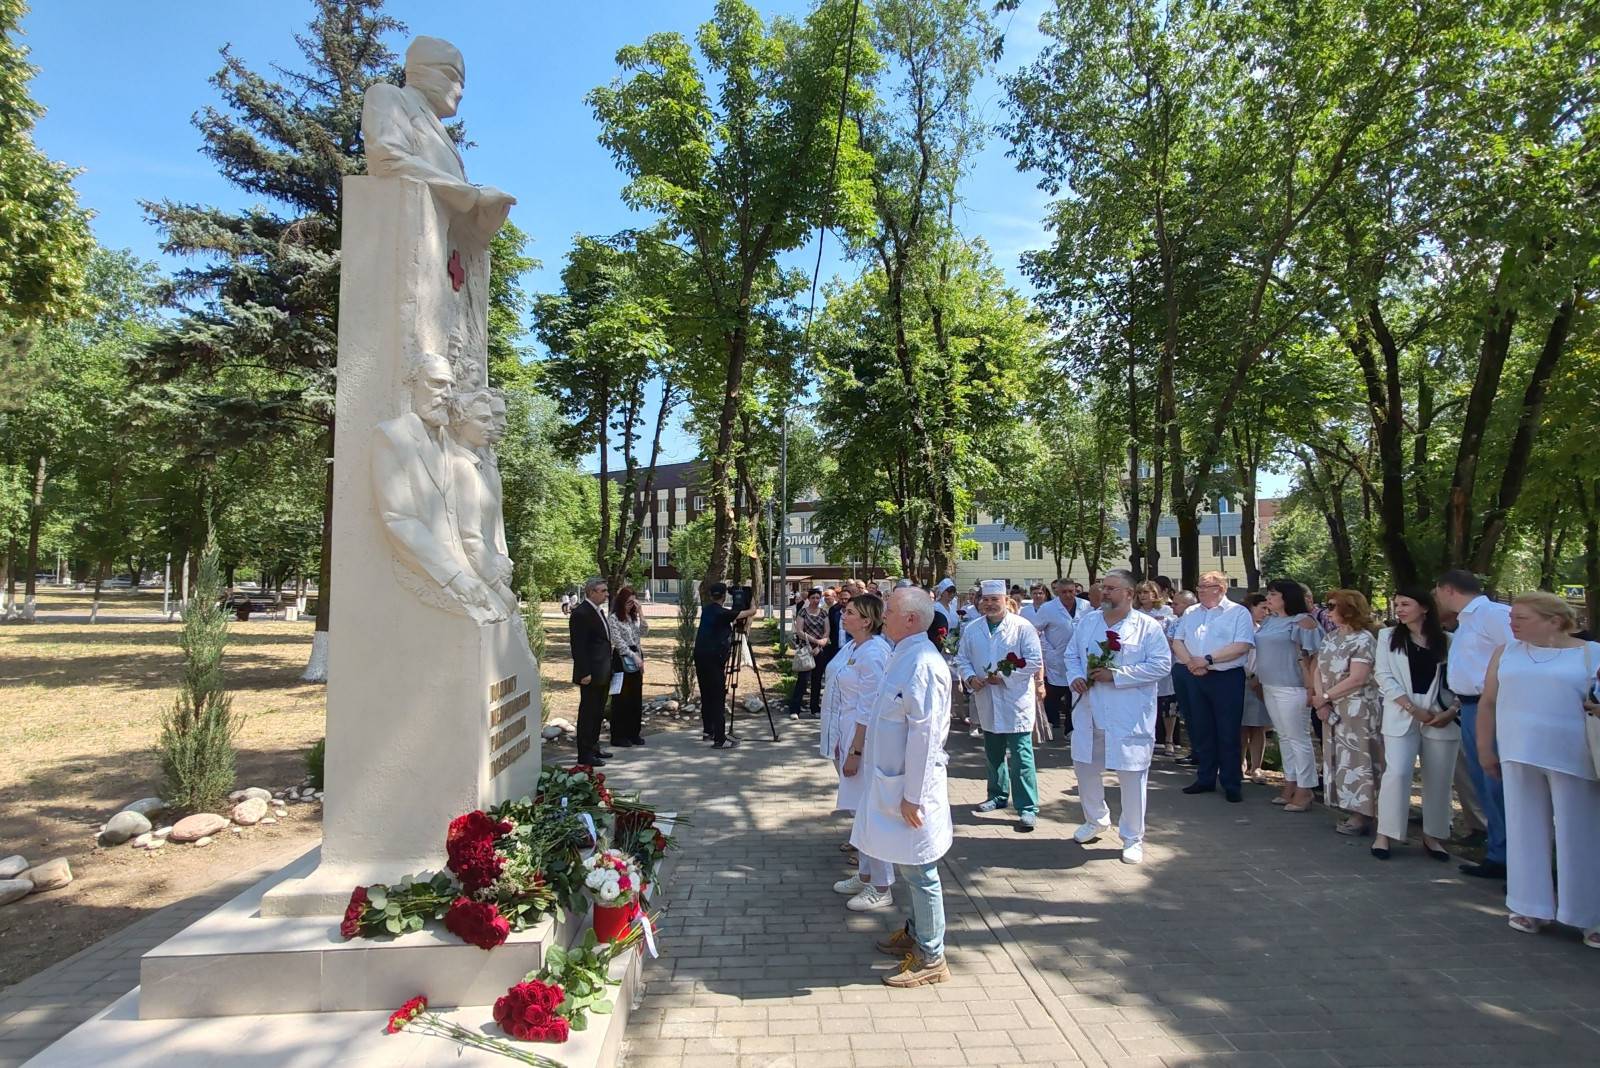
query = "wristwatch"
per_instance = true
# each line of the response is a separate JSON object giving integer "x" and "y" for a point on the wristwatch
{"x": 855, "y": 752}
{"x": 1209, "y": 660}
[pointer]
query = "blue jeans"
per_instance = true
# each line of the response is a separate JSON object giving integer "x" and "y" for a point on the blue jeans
{"x": 1491, "y": 792}
{"x": 927, "y": 907}
{"x": 1217, "y": 698}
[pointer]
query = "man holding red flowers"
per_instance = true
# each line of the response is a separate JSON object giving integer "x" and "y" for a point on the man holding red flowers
{"x": 1001, "y": 661}
{"x": 1115, "y": 663}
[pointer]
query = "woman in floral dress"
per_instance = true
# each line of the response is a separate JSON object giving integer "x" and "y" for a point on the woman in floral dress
{"x": 1347, "y": 702}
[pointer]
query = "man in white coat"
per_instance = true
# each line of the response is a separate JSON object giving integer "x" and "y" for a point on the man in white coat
{"x": 1114, "y": 719}
{"x": 1055, "y": 623}
{"x": 904, "y": 815}
{"x": 1000, "y": 660}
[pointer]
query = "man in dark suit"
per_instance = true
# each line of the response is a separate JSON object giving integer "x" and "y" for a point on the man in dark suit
{"x": 590, "y": 638}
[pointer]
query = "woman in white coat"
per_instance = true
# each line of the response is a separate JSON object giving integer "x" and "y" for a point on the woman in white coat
{"x": 853, "y": 679}
{"x": 1419, "y": 718}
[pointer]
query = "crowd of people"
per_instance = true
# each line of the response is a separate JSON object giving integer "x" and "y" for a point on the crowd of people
{"x": 1499, "y": 704}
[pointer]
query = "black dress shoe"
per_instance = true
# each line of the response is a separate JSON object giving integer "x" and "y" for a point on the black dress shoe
{"x": 1381, "y": 852}
{"x": 603, "y": 755}
{"x": 731, "y": 743}
{"x": 1199, "y": 788}
{"x": 1488, "y": 869}
{"x": 1436, "y": 854}
{"x": 1234, "y": 796}
{"x": 592, "y": 761}
{"x": 635, "y": 740}
{"x": 621, "y": 743}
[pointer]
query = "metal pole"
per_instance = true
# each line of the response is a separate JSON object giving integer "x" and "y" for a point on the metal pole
{"x": 166, "y": 588}
{"x": 783, "y": 537}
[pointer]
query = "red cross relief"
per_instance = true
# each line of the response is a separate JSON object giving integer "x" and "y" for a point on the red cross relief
{"x": 454, "y": 269}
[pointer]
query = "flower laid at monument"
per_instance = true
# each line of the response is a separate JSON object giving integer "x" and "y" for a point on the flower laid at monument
{"x": 415, "y": 1015}
{"x": 509, "y": 866}
{"x": 557, "y": 999}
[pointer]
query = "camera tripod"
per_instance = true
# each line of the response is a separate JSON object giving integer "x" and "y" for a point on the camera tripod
{"x": 741, "y": 647}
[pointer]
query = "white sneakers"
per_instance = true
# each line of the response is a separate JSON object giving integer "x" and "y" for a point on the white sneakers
{"x": 1133, "y": 854}
{"x": 870, "y": 898}
{"x": 850, "y": 886}
{"x": 1029, "y": 820}
{"x": 1088, "y": 832}
{"x": 990, "y": 805}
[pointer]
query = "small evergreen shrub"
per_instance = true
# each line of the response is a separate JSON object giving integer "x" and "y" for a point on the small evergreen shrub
{"x": 196, "y": 746}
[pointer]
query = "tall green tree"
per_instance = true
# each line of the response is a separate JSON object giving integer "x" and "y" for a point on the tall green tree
{"x": 45, "y": 242}
{"x": 736, "y": 153}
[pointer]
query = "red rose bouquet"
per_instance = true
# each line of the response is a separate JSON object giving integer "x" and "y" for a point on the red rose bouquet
{"x": 477, "y": 922}
{"x": 395, "y": 910}
{"x": 1009, "y": 663}
{"x": 415, "y": 1015}
{"x": 472, "y": 846}
{"x": 1110, "y": 646}
{"x": 528, "y": 1011}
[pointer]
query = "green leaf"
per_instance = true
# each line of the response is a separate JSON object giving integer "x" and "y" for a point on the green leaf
{"x": 603, "y": 1007}
{"x": 392, "y": 925}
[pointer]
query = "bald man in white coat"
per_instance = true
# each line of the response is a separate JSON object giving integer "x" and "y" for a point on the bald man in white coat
{"x": 1114, "y": 719}
{"x": 904, "y": 815}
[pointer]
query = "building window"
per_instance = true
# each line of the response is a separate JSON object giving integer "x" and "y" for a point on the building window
{"x": 1222, "y": 506}
{"x": 972, "y": 517}
{"x": 1233, "y": 582}
{"x": 663, "y": 585}
{"x": 699, "y": 503}
{"x": 1032, "y": 550}
{"x": 1002, "y": 550}
{"x": 662, "y": 559}
{"x": 1172, "y": 549}
{"x": 806, "y": 555}
{"x": 1227, "y": 545}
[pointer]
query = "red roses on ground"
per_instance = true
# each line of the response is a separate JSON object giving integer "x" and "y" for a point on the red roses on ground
{"x": 350, "y": 926}
{"x": 528, "y": 1011}
{"x": 477, "y": 922}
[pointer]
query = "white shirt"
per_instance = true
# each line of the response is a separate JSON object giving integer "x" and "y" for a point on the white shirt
{"x": 905, "y": 759}
{"x": 1005, "y": 703}
{"x": 1125, "y": 707}
{"x": 1055, "y": 626}
{"x": 951, "y": 619}
{"x": 1204, "y": 630}
{"x": 1481, "y": 627}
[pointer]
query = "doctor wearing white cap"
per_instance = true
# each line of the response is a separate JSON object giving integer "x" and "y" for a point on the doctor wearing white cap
{"x": 1000, "y": 659}
{"x": 944, "y": 602}
{"x": 1114, "y": 719}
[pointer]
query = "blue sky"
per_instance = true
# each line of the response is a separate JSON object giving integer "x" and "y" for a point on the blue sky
{"x": 121, "y": 79}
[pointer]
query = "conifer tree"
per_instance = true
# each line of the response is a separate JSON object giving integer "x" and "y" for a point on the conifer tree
{"x": 254, "y": 354}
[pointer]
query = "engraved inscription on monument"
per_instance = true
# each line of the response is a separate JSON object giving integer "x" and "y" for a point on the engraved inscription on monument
{"x": 501, "y": 688}
{"x": 509, "y": 757}
{"x": 499, "y": 715}
{"x": 501, "y": 737}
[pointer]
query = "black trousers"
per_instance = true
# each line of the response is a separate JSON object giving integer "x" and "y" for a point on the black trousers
{"x": 591, "y": 710}
{"x": 713, "y": 680}
{"x": 803, "y": 681}
{"x": 1216, "y": 702}
{"x": 627, "y": 707}
{"x": 1058, "y": 706}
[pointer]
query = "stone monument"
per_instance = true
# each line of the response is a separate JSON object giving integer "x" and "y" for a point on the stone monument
{"x": 433, "y": 695}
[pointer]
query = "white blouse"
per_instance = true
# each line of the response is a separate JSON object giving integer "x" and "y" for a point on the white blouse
{"x": 1539, "y": 710}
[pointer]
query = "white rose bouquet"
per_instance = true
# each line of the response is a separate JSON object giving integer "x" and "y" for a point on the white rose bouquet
{"x": 611, "y": 877}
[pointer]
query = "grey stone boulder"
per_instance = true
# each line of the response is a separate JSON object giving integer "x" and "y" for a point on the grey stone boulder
{"x": 14, "y": 890}
{"x": 200, "y": 825}
{"x": 147, "y": 806}
{"x": 123, "y": 826}
{"x": 51, "y": 875}
{"x": 13, "y": 866}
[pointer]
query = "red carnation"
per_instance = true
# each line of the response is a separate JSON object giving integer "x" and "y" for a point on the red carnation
{"x": 660, "y": 842}
{"x": 477, "y": 922}
{"x": 1113, "y": 641}
{"x": 406, "y": 1013}
{"x": 350, "y": 926}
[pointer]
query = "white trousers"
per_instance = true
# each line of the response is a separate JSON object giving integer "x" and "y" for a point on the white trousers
{"x": 1542, "y": 806}
{"x": 1394, "y": 791}
{"x": 1291, "y": 720}
{"x": 1092, "y": 792}
{"x": 874, "y": 871}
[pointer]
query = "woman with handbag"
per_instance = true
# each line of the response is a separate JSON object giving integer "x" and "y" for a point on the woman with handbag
{"x": 1419, "y": 719}
{"x": 627, "y": 625}
{"x": 1533, "y": 735}
{"x": 810, "y": 638}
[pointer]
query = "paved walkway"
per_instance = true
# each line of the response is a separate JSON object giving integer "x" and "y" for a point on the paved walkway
{"x": 1249, "y": 937}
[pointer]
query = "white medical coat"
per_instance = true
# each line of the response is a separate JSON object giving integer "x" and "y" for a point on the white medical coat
{"x": 853, "y": 675}
{"x": 905, "y": 759}
{"x": 1055, "y": 626}
{"x": 1006, "y": 704}
{"x": 1125, "y": 708}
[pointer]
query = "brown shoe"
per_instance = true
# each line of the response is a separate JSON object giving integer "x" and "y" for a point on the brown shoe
{"x": 917, "y": 970}
{"x": 896, "y": 945}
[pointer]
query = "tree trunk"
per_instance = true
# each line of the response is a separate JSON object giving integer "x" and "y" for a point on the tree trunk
{"x": 1188, "y": 542}
{"x": 721, "y": 459}
{"x": 1386, "y": 409}
{"x": 35, "y": 521}
{"x": 1515, "y": 472}
{"x": 1589, "y": 498}
{"x": 1498, "y": 328}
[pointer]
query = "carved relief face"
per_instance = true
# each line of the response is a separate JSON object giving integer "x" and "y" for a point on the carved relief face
{"x": 497, "y": 418}
{"x": 477, "y": 424}
{"x": 430, "y": 391}
{"x": 440, "y": 86}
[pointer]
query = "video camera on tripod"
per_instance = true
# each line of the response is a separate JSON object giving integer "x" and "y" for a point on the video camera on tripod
{"x": 740, "y": 599}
